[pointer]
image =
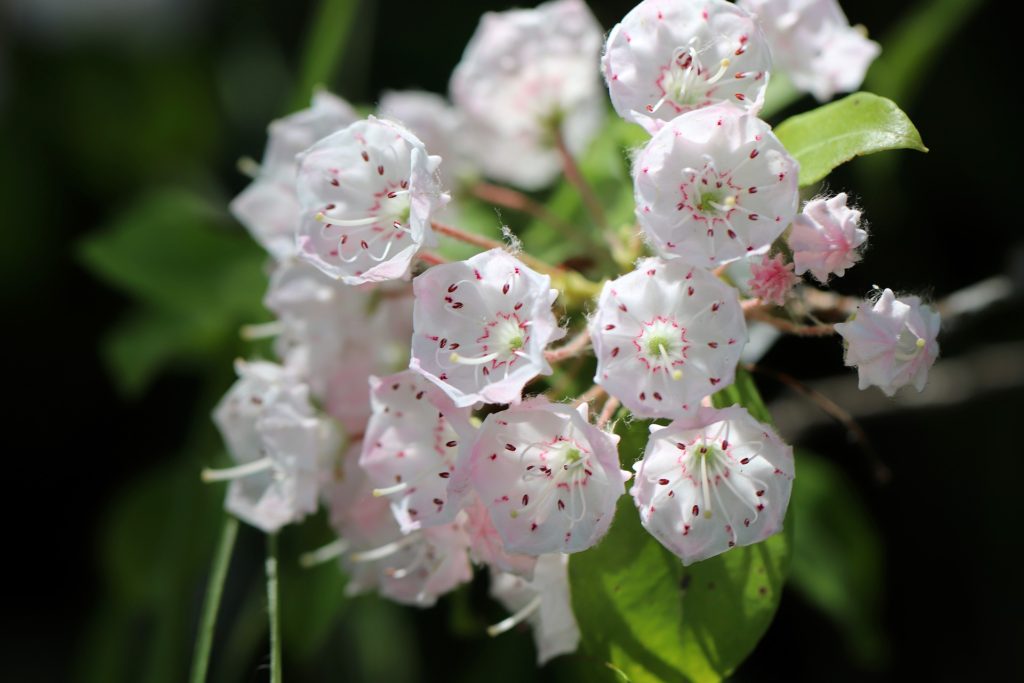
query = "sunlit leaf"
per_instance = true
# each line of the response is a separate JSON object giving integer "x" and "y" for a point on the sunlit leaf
{"x": 837, "y": 132}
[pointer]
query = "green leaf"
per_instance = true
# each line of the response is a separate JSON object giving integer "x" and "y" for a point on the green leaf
{"x": 650, "y": 619}
{"x": 834, "y": 133}
{"x": 325, "y": 46}
{"x": 196, "y": 280}
{"x": 837, "y": 557}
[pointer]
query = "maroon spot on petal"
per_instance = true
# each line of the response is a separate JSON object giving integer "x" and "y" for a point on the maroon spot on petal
{"x": 714, "y": 380}
{"x": 526, "y": 499}
{"x": 457, "y": 305}
{"x": 561, "y": 504}
{"x": 334, "y": 181}
{"x": 695, "y": 510}
{"x": 713, "y": 345}
{"x": 494, "y": 456}
{"x": 689, "y": 290}
{"x": 451, "y": 444}
{"x": 452, "y": 288}
{"x": 444, "y": 475}
{"x": 438, "y": 502}
{"x": 725, "y": 445}
{"x": 753, "y": 216}
{"x": 752, "y": 190}
{"x": 754, "y": 153}
{"x": 453, "y": 346}
{"x": 663, "y": 481}
{"x": 419, "y": 395}
{"x": 643, "y": 396}
{"x": 533, "y": 526}
{"x": 477, "y": 274}
{"x": 443, "y": 343}
{"x": 744, "y": 461}
{"x": 609, "y": 327}
{"x": 746, "y": 522}
{"x": 615, "y": 352}
{"x": 363, "y": 244}
{"x": 504, "y": 288}
{"x": 366, "y": 157}
{"x": 681, "y": 446}
{"x": 715, "y": 306}
{"x": 656, "y": 396}
{"x": 760, "y": 493}
{"x": 509, "y": 447}
{"x": 380, "y": 170}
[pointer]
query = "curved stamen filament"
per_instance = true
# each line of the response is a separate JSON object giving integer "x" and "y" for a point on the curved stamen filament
{"x": 228, "y": 473}
{"x": 385, "y": 550}
{"x": 388, "y": 490}
{"x": 332, "y": 550}
{"x": 516, "y": 619}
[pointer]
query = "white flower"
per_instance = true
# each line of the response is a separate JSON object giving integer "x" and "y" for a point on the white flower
{"x": 525, "y": 74}
{"x": 668, "y": 57}
{"x": 544, "y": 602}
{"x": 812, "y": 40}
{"x": 336, "y": 336}
{"x": 714, "y": 185}
{"x": 892, "y": 342}
{"x": 826, "y": 237}
{"x": 269, "y": 206}
{"x": 367, "y": 193}
{"x": 410, "y": 448}
{"x": 280, "y": 444}
{"x": 713, "y": 480}
{"x": 481, "y": 326}
{"x": 549, "y": 478}
{"x": 437, "y": 124}
{"x": 666, "y": 335}
{"x": 486, "y": 546}
{"x": 413, "y": 569}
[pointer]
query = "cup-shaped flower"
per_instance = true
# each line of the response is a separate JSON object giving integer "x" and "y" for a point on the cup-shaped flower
{"x": 269, "y": 206}
{"x": 336, "y": 336}
{"x": 544, "y": 602}
{"x": 826, "y": 237}
{"x": 437, "y": 124}
{"x": 486, "y": 546}
{"x": 480, "y": 327}
{"x": 714, "y": 185}
{"x": 413, "y": 569}
{"x": 367, "y": 194}
{"x": 772, "y": 279}
{"x": 891, "y": 341}
{"x": 280, "y": 444}
{"x": 410, "y": 448}
{"x": 549, "y": 478}
{"x": 668, "y": 57}
{"x": 665, "y": 336}
{"x": 813, "y": 42}
{"x": 713, "y": 480}
{"x": 526, "y": 76}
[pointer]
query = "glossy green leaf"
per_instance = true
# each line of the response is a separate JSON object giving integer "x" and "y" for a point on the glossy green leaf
{"x": 837, "y": 132}
{"x": 650, "y": 619}
{"x": 837, "y": 556}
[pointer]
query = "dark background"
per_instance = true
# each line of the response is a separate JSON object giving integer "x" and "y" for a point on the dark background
{"x": 101, "y": 101}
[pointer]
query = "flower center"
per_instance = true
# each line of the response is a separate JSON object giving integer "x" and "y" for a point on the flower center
{"x": 908, "y": 346}
{"x": 662, "y": 345}
{"x": 686, "y": 81}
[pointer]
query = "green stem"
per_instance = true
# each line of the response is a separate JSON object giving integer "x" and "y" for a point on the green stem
{"x": 326, "y": 39}
{"x": 211, "y": 603}
{"x": 272, "y": 613}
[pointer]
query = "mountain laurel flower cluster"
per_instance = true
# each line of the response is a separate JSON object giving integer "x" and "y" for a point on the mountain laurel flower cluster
{"x": 453, "y": 399}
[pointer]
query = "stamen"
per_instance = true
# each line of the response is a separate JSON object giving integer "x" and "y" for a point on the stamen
{"x": 262, "y": 330}
{"x": 228, "y": 473}
{"x": 675, "y": 373}
{"x": 516, "y": 619}
{"x": 704, "y": 479}
{"x": 479, "y": 360}
{"x": 347, "y": 223}
{"x": 385, "y": 550}
{"x": 388, "y": 490}
{"x": 332, "y": 550}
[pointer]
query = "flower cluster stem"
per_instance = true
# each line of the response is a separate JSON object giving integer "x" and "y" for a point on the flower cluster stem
{"x": 575, "y": 177}
{"x": 211, "y": 603}
{"x": 272, "y": 609}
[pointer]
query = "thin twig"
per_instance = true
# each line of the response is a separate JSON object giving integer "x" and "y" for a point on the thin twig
{"x": 575, "y": 177}
{"x": 881, "y": 471}
{"x": 573, "y": 347}
{"x": 211, "y": 603}
{"x": 610, "y": 406}
{"x": 592, "y": 394}
{"x": 517, "y": 201}
{"x": 488, "y": 243}
{"x": 789, "y": 327}
{"x": 431, "y": 258}
{"x": 272, "y": 610}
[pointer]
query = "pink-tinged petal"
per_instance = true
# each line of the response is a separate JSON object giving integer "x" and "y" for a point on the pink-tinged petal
{"x": 481, "y": 327}
{"x": 410, "y": 449}
{"x": 367, "y": 195}
{"x": 549, "y": 478}
{"x": 712, "y": 481}
{"x": 665, "y": 336}
{"x": 714, "y": 185}
{"x": 269, "y": 206}
{"x": 524, "y": 72}
{"x": 813, "y": 42}
{"x": 667, "y": 58}
{"x": 891, "y": 341}
{"x": 544, "y": 602}
{"x": 827, "y": 238}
